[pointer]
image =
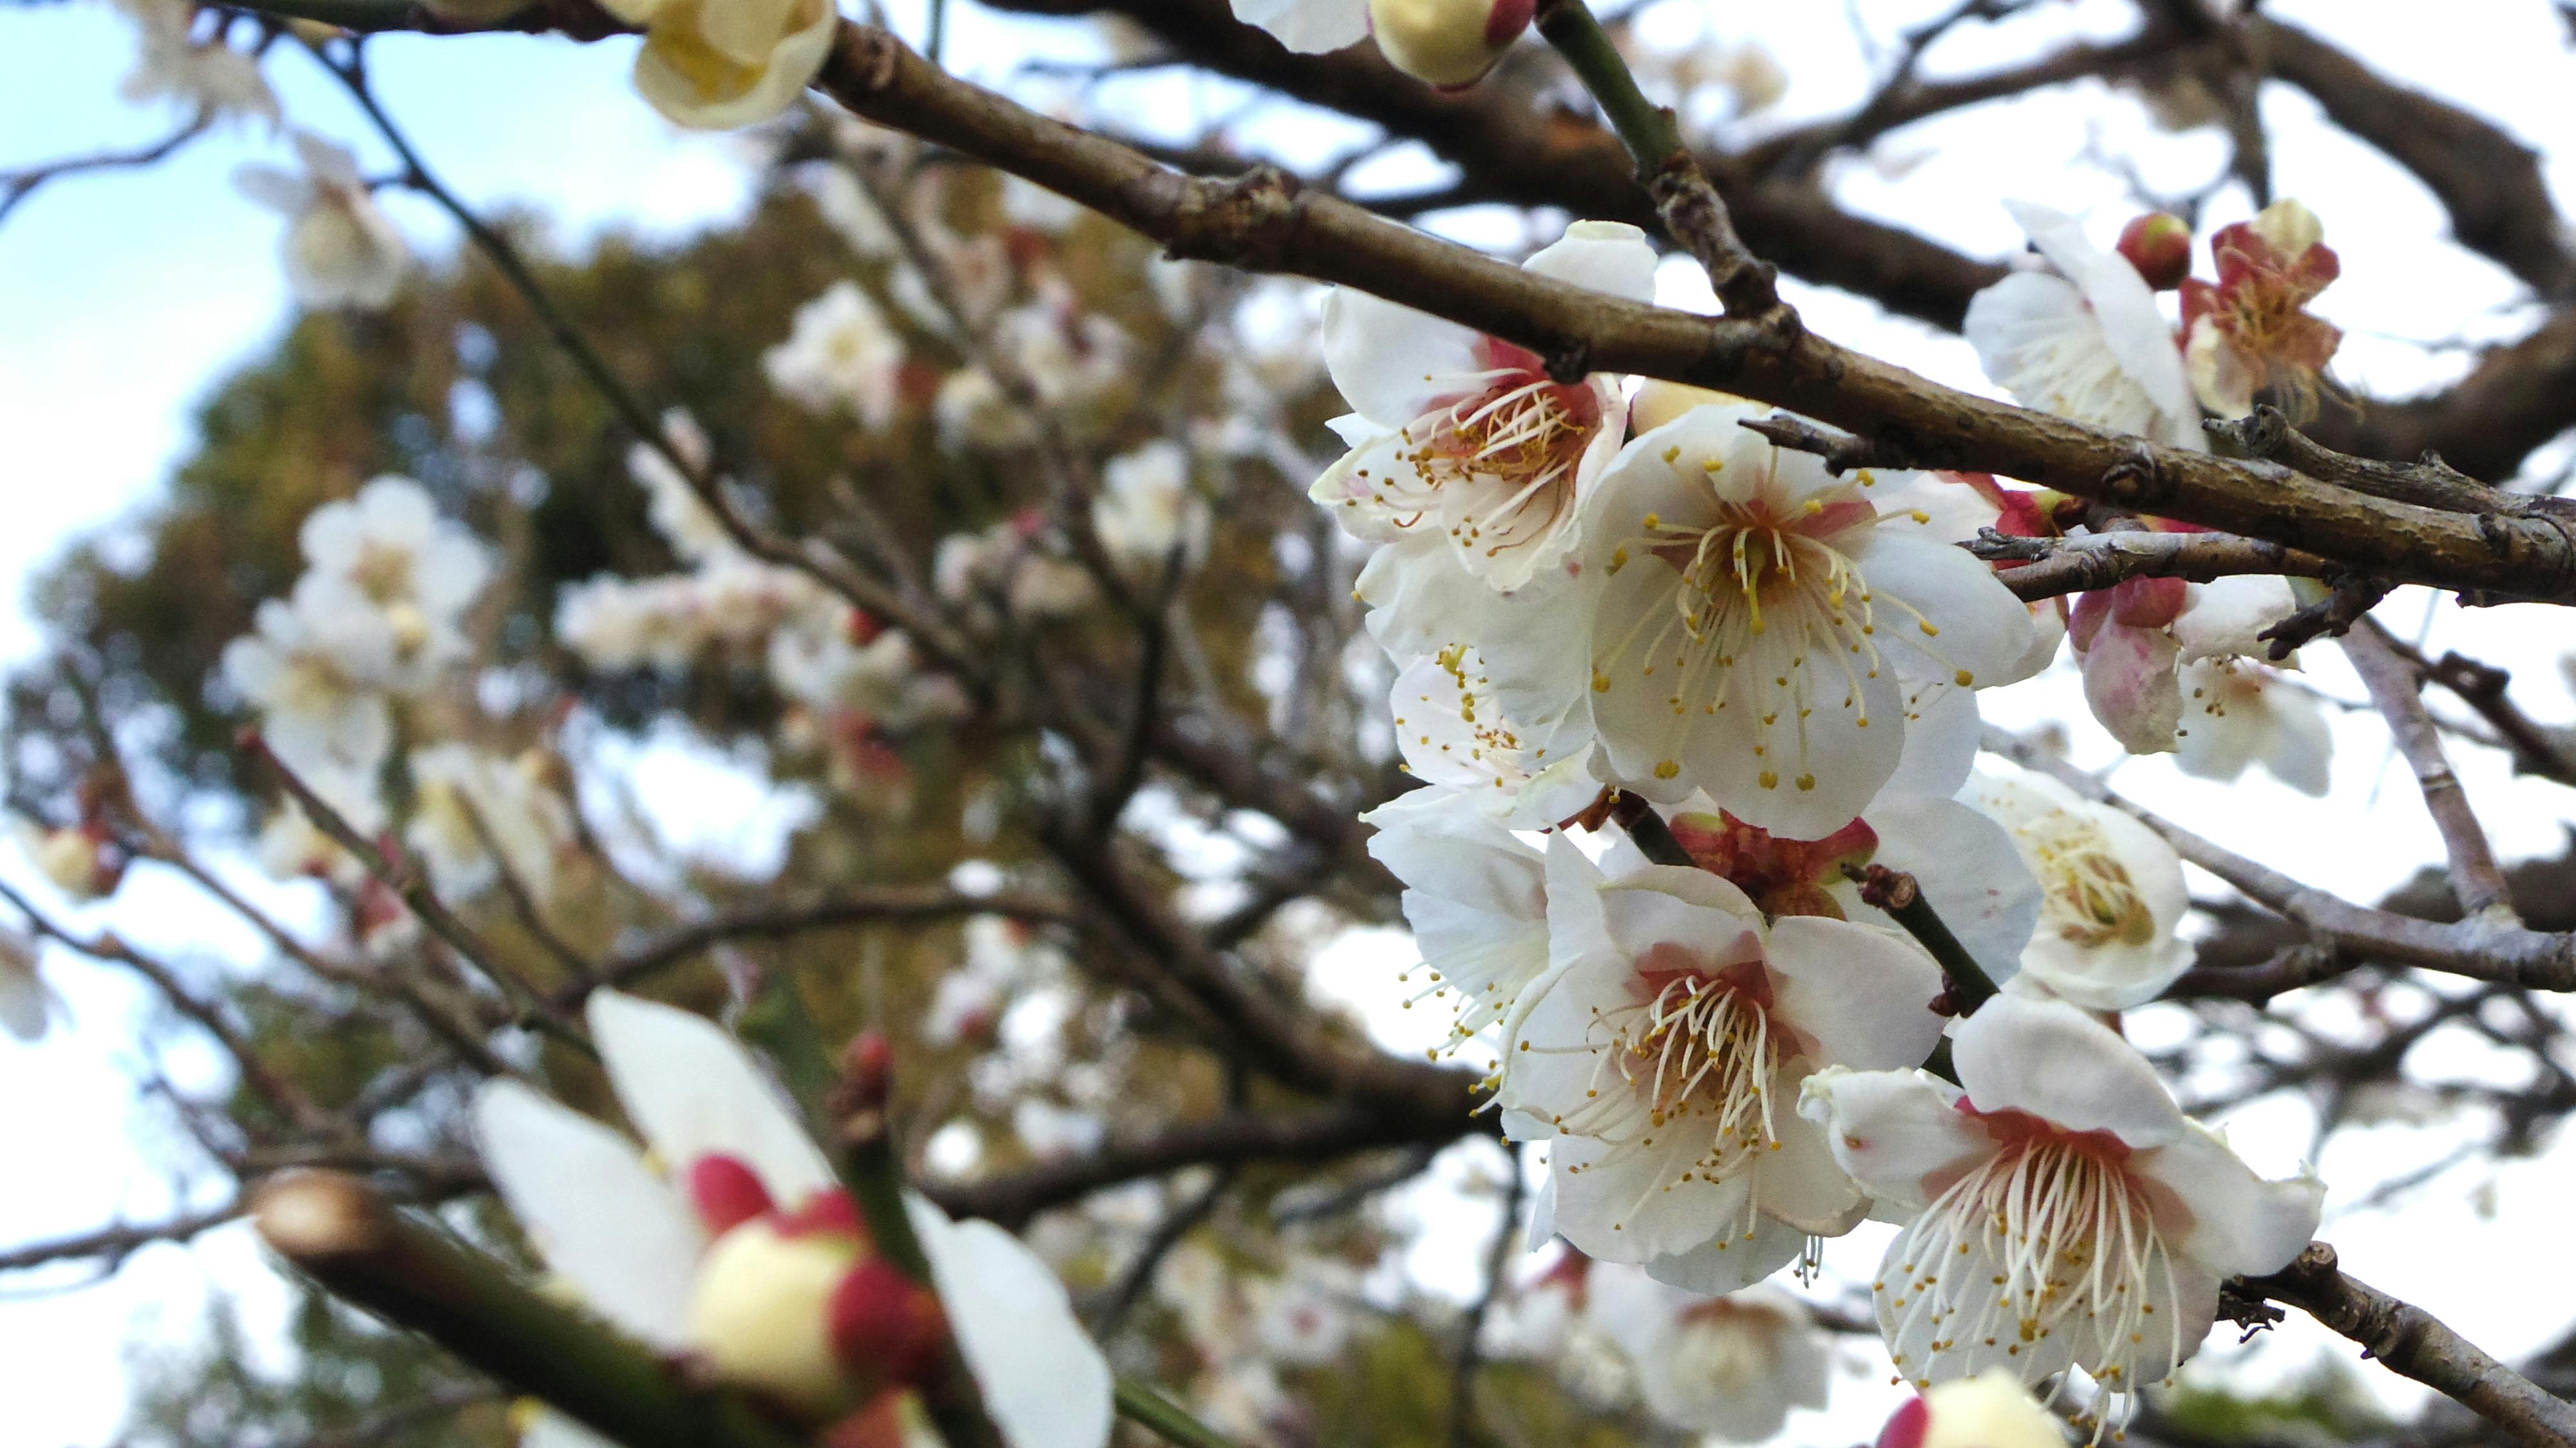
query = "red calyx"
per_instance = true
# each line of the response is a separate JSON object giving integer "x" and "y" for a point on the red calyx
{"x": 1507, "y": 20}
{"x": 1783, "y": 876}
{"x": 887, "y": 1326}
{"x": 2148, "y": 602}
{"x": 727, "y": 1193}
{"x": 827, "y": 1213}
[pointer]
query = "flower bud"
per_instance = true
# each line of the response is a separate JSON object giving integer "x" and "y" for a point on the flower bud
{"x": 1991, "y": 1411}
{"x": 2290, "y": 227}
{"x": 2158, "y": 244}
{"x": 726, "y": 1192}
{"x": 761, "y": 1314}
{"x": 1447, "y": 42}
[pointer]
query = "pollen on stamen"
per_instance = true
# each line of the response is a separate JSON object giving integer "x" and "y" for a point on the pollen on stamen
{"x": 1966, "y": 679}
{"x": 1667, "y": 769}
{"x": 1770, "y": 779}
{"x": 1806, "y": 781}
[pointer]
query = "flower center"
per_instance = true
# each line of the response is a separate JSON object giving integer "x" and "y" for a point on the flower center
{"x": 1698, "y": 1054}
{"x": 1767, "y": 582}
{"x": 2048, "y": 1236}
{"x": 1502, "y": 460}
{"x": 2091, "y": 899}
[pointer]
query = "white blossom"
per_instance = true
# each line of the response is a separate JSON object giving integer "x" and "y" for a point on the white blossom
{"x": 528, "y": 822}
{"x": 1147, "y": 510}
{"x": 340, "y": 250}
{"x": 1729, "y": 1367}
{"x": 2061, "y": 1210}
{"x": 1664, "y": 1049}
{"x": 316, "y": 667}
{"x": 2238, "y": 713}
{"x": 840, "y": 353}
{"x": 2112, "y": 892}
{"x": 1465, "y": 453}
{"x": 1310, "y": 26}
{"x": 720, "y": 64}
{"x": 2084, "y": 339}
{"x": 733, "y": 1241}
{"x": 1736, "y": 620}
{"x": 389, "y": 544}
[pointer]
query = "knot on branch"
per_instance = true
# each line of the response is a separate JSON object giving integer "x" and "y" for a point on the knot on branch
{"x": 1248, "y": 220}
{"x": 2135, "y": 480}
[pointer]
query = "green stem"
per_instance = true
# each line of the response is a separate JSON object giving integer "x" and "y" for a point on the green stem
{"x": 342, "y": 1234}
{"x": 1649, "y": 131}
{"x": 1147, "y": 1408}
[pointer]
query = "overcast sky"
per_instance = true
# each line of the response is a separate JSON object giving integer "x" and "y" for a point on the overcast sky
{"x": 125, "y": 297}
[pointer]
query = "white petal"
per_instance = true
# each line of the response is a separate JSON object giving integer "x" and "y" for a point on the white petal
{"x": 1607, "y": 256}
{"x": 1392, "y": 363}
{"x": 2129, "y": 683}
{"x": 1044, "y": 1383}
{"x": 1899, "y": 1133}
{"x": 1862, "y": 994}
{"x": 1308, "y": 26}
{"x": 1798, "y": 1182}
{"x": 1731, "y": 1263}
{"x": 2131, "y": 324}
{"x": 1983, "y": 629}
{"x": 621, "y": 1235}
{"x": 1968, "y": 867}
{"x": 2231, "y": 1221}
{"x": 2223, "y": 615}
{"x": 1629, "y": 1202}
{"x": 693, "y": 1092}
{"x": 1942, "y": 736}
{"x": 2059, "y": 1064}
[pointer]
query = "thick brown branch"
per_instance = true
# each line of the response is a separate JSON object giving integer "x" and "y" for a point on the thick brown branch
{"x": 2415, "y": 1344}
{"x": 1262, "y": 222}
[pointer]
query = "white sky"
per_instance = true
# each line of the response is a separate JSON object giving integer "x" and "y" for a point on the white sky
{"x": 124, "y": 297}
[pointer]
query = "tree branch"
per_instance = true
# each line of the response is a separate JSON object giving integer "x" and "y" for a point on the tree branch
{"x": 2415, "y": 1344}
{"x": 2398, "y": 691}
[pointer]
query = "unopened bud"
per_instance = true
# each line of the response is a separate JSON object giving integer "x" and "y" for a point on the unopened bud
{"x": 1992, "y": 1411}
{"x": 867, "y": 1072}
{"x": 1447, "y": 42}
{"x": 2158, "y": 244}
{"x": 726, "y": 1192}
{"x": 2290, "y": 227}
{"x": 761, "y": 1314}
{"x": 2149, "y": 602}
{"x": 886, "y": 1326}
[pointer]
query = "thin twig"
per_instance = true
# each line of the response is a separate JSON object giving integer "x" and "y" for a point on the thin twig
{"x": 1470, "y": 1357}
{"x": 2476, "y": 880}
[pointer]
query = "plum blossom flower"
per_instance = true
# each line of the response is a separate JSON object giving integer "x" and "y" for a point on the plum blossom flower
{"x": 1737, "y": 621}
{"x": 2251, "y": 332}
{"x": 2062, "y": 1210}
{"x": 2238, "y": 713}
{"x": 1663, "y": 1051}
{"x": 316, "y": 666}
{"x": 1475, "y": 895}
{"x": 1990, "y": 1410}
{"x": 1462, "y": 446}
{"x": 1005, "y": 564}
{"x": 1147, "y": 509}
{"x": 389, "y": 544}
{"x": 2083, "y": 339}
{"x": 1453, "y": 733}
{"x": 1728, "y": 1367}
{"x": 208, "y": 75}
{"x": 841, "y": 352}
{"x": 28, "y": 1006}
{"x": 457, "y": 788}
{"x": 2112, "y": 892}
{"x": 732, "y": 1243}
{"x": 2132, "y": 637}
{"x": 715, "y": 65}
{"x": 341, "y": 250}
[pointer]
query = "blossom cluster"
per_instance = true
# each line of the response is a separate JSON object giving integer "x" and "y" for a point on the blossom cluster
{"x": 1604, "y": 600}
